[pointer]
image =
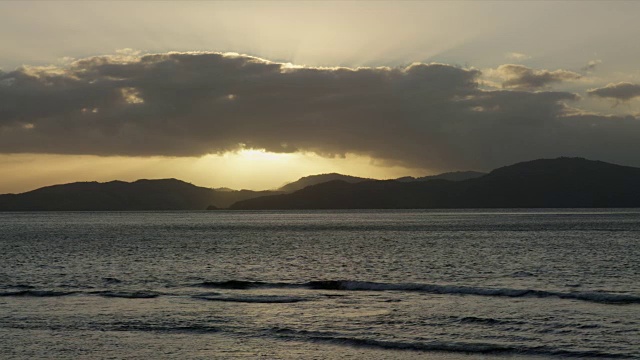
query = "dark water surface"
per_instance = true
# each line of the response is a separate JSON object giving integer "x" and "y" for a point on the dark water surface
{"x": 321, "y": 284}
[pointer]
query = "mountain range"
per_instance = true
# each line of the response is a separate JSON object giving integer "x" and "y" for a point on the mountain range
{"x": 561, "y": 182}
{"x": 322, "y": 178}
{"x": 545, "y": 183}
{"x": 319, "y": 179}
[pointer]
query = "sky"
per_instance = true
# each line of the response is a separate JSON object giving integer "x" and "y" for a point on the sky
{"x": 257, "y": 94}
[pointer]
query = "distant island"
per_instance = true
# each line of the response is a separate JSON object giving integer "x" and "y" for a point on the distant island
{"x": 546, "y": 183}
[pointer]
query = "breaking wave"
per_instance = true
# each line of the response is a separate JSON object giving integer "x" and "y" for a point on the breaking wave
{"x": 599, "y": 297}
{"x": 347, "y": 285}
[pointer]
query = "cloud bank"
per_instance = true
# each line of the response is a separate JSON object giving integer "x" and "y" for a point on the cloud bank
{"x": 432, "y": 116}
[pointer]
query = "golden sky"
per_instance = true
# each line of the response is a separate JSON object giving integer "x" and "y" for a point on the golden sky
{"x": 257, "y": 94}
{"x": 251, "y": 169}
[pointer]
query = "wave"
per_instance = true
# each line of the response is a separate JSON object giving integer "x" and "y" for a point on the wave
{"x": 164, "y": 328}
{"x": 244, "y": 285}
{"x": 51, "y": 293}
{"x": 16, "y": 286}
{"x": 231, "y": 284}
{"x": 487, "y": 321}
{"x": 598, "y": 297}
{"x": 459, "y": 347}
{"x": 521, "y": 274}
{"x": 37, "y": 293}
{"x": 111, "y": 280}
{"x": 601, "y": 297}
{"x": 348, "y": 285}
{"x": 259, "y": 299}
{"x": 127, "y": 295}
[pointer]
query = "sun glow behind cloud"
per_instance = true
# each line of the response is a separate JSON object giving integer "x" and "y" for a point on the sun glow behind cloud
{"x": 246, "y": 169}
{"x": 253, "y": 155}
{"x": 307, "y": 120}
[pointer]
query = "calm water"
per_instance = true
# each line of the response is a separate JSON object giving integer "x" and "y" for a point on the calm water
{"x": 316, "y": 285}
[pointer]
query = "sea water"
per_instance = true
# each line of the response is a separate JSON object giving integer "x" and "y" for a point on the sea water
{"x": 320, "y": 284}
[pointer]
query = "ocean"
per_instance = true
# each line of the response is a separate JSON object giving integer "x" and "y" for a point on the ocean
{"x": 468, "y": 284}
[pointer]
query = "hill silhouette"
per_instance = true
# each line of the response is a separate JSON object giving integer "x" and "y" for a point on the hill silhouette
{"x": 451, "y": 176}
{"x": 165, "y": 194}
{"x": 319, "y": 179}
{"x": 561, "y": 183}
{"x": 323, "y": 178}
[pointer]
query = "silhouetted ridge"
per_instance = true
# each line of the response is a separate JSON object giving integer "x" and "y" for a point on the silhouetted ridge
{"x": 547, "y": 183}
{"x": 563, "y": 183}
{"x": 318, "y": 179}
{"x": 451, "y": 176}
{"x": 549, "y": 166}
{"x": 163, "y": 194}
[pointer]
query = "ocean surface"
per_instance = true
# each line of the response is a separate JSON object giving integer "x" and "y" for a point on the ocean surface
{"x": 513, "y": 284}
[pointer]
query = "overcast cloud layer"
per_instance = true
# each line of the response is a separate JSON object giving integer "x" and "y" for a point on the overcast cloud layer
{"x": 190, "y": 104}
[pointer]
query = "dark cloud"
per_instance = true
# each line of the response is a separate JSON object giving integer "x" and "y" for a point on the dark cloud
{"x": 188, "y": 104}
{"x": 623, "y": 91}
{"x": 522, "y": 77}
